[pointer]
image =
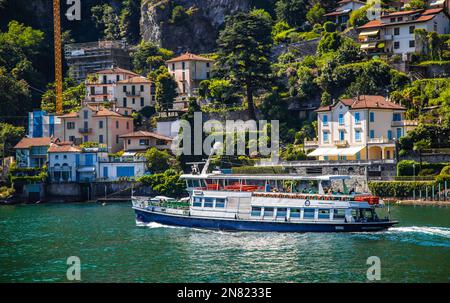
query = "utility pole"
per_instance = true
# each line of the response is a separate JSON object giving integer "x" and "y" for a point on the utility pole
{"x": 58, "y": 55}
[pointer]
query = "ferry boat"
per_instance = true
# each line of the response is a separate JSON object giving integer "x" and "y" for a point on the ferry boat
{"x": 274, "y": 203}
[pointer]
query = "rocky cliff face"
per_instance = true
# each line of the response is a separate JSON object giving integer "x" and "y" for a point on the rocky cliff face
{"x": 196, "y": 33}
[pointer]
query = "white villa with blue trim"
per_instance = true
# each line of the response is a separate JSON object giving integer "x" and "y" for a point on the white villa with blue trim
{"x": 362, "y": 128}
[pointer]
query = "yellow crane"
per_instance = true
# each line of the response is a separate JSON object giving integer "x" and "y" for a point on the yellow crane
{"x": 58, "y": 55}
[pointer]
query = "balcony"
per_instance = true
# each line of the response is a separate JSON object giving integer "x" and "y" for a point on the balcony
{"x": 381, "y": 140}
{"x": 341, "y": 143}
{"x": 133, "y": 94}
{"x": 404, "y": 123}
{"x": 85, "y": 130}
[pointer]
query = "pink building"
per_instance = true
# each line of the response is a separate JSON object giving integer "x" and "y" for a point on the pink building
{"x": 96, "y": 124}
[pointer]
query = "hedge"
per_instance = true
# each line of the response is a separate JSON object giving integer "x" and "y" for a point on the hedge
{"x": 405, "y": 167}
{"x": 399, "y": 189}
{"x": 244, "y": 170}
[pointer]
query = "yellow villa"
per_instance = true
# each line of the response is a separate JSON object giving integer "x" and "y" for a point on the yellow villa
{"x": 362, "y": 128}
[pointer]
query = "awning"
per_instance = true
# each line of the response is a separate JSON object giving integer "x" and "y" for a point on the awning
{"x": 87, "y": 169}
{"x": 369, "y": 45}
{"x": 335, "y": 151}
{"x": 369, "y": 33}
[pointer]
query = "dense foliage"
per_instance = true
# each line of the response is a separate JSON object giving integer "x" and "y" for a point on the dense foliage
{"x": 166, "y": 184}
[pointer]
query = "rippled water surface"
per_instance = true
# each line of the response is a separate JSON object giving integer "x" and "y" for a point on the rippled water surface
{"x": 36, "y": 240}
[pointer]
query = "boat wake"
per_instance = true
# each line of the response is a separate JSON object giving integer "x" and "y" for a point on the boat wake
{"x": 154, "y": 225}
{"x": 427, "y": 230}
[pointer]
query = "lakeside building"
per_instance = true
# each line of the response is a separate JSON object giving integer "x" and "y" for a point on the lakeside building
{"x": 72, "y": 164}
{"x": 363, "y": 128}
{"x": 341, "y": 14}
{"x": 140, "y": 141}
{"x": 87, "y": 58}
{"x": 394, "y": 33}
{"x": 188, "y": 70}
{"x": 42, "y": 124}
{"x": 32, "y": 152}
{"x": 96, "y": 124}
{"x": 101, "y": 86}
{"x": 135, "y": 93}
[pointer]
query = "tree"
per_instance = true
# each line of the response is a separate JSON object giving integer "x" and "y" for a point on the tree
{"x": 329, "y": 27}
{"x": 349, "y": 52}
{"x": 315, "y": 14}
{"x": 244, "y": 52}
{"x": 15, "y": 98}
{"x": 416, "y": 4}
{"x": 165, "y": 89}
{"x": 291, "y": 11}
{"x": 149, "y": 57}
{"x": 158, "y": 161}
{"x": 10, "y": 135}
{"x": 73, "y": 95}
{"x": 359, "y": 17}
{"x": 129, "y": 20}
{"x": 179, "y": 14}
{"x": 330, "y": 42}
{"x": 106, "y": 20}
{"x": 420, "y": 146}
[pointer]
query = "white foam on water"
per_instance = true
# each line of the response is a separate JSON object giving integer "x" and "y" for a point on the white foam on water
{"x": 428, "y": 230}
{"x": 154, "y": 225}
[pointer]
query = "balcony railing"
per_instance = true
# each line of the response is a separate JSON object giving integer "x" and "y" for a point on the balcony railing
{"x": 381, "y": 140}
{"x": 85, "y": 130}
{"x": 133, "y": 94}
{"x": 341, "y": 143}
{"x": 405, "y": 123}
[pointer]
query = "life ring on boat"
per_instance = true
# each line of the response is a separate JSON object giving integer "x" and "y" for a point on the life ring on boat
{"x": 307, "y": 203}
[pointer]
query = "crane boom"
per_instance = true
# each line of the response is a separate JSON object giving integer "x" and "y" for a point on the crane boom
{"x": 58, "y": 55}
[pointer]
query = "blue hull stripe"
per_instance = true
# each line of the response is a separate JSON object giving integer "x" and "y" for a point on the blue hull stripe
{"x": 243, "y": 225}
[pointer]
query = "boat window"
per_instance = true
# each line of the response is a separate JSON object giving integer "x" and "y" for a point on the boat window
{"x": 338, "y": 214}
{"x": 308, "y": 213}
{"x": 268, "y": 212}
{"x": 220, "y": 202}
{"x": 281, "y": 212}
{"x": 324, "y": 213}
{"x": 209, "y": 202}
{"x": 197, "y": 202}
{"x": 295, "y": 213}
{"x": 256, "y": 211}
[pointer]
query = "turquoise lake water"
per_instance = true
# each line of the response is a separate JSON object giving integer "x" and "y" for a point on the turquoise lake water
{"x": 36, "y": 240}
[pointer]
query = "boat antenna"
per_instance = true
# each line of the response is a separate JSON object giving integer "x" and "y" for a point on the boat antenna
{"x": 217, "y": 146}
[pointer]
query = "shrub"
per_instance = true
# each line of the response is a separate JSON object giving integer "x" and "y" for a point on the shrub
{"x": 329, "y": 27}
{"x": 399, "y": 189}
{"x": 243, "y": 170}
{"x": 166, "y": 184}
{"x": 405, "y": 168}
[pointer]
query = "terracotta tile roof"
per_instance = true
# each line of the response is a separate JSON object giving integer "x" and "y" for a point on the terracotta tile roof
{"x": 29, "y": 142}
{"x": 370, "y": 24}
{"x": 116, "y": 70}
{"x": 103, "y": 112}
{"x": 364, "y": 102}
{"x": 432, "y": 11}
{"x": 145, "y": 134}
{"x": 402, "y": 13}
{"x": 100, "y": 112}
{"x": 137, "y": 79}
{"x": 64, "y": 147}
{"x": 425, "y": 15}
{"x": 189, "y": 57}
{"x": 69, "y": 115}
